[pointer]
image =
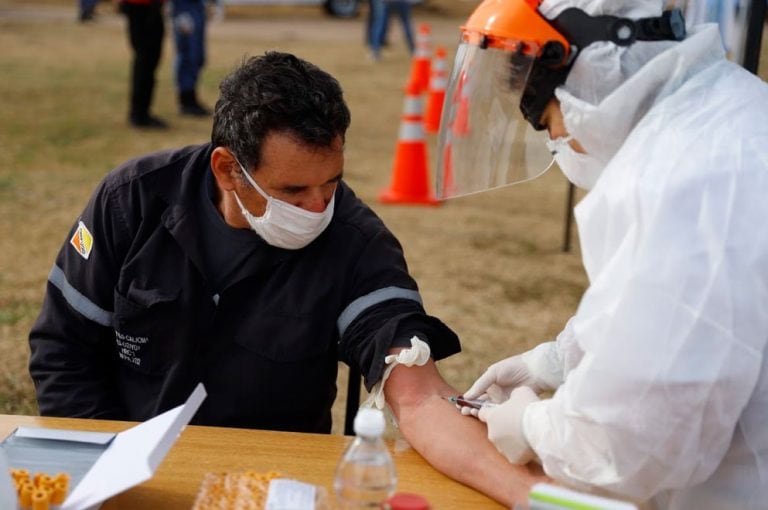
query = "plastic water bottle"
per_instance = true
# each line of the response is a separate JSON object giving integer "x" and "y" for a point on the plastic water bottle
{"x": 365, "y": 475}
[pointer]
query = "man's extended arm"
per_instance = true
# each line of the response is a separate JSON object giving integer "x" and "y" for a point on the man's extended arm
{"x": 459, "y": 446}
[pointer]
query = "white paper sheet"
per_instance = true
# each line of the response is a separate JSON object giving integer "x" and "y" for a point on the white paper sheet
{"x": 133, "y": 455}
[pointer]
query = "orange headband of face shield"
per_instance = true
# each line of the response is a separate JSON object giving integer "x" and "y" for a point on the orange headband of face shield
{"x": 512, "y": 24}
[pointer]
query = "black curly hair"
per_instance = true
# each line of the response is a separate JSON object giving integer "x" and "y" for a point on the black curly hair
{"x": 277, "y": 92}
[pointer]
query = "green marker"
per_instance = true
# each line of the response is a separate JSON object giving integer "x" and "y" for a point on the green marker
{"x": 549, "y": 497}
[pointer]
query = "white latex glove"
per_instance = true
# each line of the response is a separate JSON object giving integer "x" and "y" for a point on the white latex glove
{"x": 505, "y": 425}
{"x": 540, "y": 369}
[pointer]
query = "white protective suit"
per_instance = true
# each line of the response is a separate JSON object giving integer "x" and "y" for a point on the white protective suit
{"x": 665, "y": 391}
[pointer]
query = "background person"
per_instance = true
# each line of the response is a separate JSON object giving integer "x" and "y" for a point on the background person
{"x": 87, "y": 10}
{"x": 145, "y": 34}
{"x": 382, "y": 10}
{"x": 249, "y": 265}
{"x": 189, "y": 21}
{"x": 660, "y": 380}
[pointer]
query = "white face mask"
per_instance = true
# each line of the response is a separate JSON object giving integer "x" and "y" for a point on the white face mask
{"x": 284, "y": 225}
{"x": 581, "y": 169}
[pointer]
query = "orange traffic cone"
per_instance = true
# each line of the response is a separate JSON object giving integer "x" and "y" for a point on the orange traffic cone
{"x": 420, "y": 61}
{"x": 460, "y": 122}
{"x": 447, "y": 186}
{"x": 410, "y": 177}
{"x": 436, "y": 93}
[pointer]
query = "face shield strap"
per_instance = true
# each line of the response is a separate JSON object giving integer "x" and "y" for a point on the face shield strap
{"x": 581, "y": 29}
{"x": 551, "y": 68}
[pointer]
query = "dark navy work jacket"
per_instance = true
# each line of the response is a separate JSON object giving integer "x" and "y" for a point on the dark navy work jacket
{"x": 130, "y": 323}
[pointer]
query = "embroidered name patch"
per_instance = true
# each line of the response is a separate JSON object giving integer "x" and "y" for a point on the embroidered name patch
{"x": 130, "y": 347}
{"x": 82, "y": 240}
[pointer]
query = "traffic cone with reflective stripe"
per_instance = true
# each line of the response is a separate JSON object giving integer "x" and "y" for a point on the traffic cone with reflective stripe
{"x": 410, "y": 177}
{"x": 446, "y": 186}
{"x": 460, "y": 122}
{"x": 436, "y": 94}
{"x": 420, "y": 63}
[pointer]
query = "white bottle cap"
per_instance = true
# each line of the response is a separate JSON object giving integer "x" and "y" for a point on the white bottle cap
{"x": 369, "y": 422}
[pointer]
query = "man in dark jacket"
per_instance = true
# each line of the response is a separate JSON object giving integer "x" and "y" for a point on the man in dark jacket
{"x": 246, "y": 264}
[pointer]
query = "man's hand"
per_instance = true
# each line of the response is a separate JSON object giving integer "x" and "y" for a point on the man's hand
{"x": 505, "y": 425}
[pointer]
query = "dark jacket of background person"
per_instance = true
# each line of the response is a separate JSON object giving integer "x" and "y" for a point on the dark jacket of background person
{"x": 127, "y": 332}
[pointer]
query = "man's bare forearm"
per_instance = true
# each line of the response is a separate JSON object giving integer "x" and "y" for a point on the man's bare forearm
{"x": 454, "y": 444}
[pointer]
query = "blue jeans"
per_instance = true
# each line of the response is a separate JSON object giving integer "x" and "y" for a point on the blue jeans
{"x": 189, "y": 35}
{"x": 88, "y": 6}
{"x": 382, "y": 10}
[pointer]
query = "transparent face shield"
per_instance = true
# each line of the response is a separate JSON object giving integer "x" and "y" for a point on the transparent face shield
{"x": 484, "y": 140}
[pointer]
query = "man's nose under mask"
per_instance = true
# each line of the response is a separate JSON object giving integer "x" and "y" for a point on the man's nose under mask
{"x": 284, "y": 225}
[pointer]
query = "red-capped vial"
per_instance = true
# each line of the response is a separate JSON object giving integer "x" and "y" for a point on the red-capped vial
{"x": 405, "y": 501}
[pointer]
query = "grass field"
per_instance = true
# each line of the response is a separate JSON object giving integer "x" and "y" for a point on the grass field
{"x": 490, "y": 266}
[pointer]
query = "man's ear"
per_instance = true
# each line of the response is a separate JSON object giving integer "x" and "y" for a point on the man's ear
{"x": 225, "y": 168}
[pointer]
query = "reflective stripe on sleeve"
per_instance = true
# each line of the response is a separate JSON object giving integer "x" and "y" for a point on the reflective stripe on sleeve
{"x": 362, "y": 303}
{"x": 82, "y": 304}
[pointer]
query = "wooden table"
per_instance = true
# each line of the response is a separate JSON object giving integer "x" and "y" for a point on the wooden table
{"x": 310, "y": 458}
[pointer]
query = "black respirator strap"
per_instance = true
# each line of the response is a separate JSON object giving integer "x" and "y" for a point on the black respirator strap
{"x": 581, "y": 30}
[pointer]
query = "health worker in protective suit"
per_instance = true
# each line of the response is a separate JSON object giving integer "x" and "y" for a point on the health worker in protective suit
{"x": 659, "y": 381}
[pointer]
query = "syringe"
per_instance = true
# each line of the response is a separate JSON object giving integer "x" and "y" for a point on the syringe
{"x": 475, "y": 404}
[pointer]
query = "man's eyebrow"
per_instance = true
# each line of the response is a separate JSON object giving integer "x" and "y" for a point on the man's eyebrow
{"x": 296, "y": 189}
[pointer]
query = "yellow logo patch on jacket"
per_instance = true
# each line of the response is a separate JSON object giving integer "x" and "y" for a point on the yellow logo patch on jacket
{"x": 82, "y": 240}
